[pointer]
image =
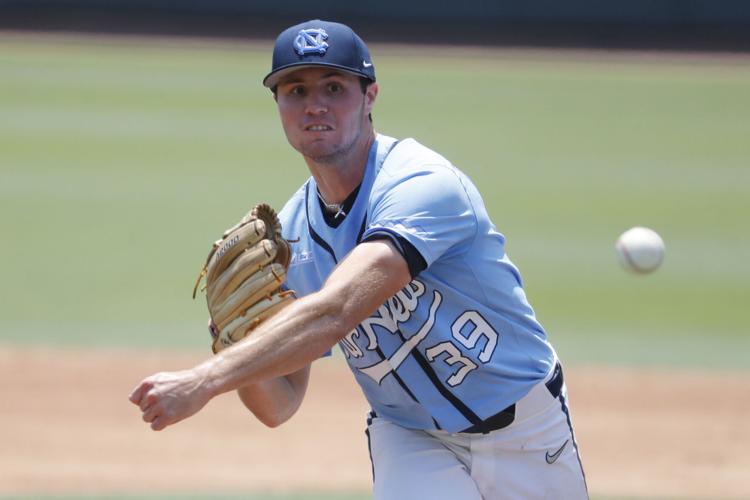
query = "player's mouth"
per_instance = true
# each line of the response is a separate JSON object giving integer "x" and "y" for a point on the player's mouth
{"x": 318, "y": 128}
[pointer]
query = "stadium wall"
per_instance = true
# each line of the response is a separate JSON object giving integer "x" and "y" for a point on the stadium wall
{"x": 670, "y": 24}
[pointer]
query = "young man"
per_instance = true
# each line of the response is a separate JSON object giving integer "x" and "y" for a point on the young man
{"x": 396, "y": 260}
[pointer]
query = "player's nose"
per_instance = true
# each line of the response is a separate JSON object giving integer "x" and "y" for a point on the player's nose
{"x": 315, "y": 105}
{"x": 316, "y": 109}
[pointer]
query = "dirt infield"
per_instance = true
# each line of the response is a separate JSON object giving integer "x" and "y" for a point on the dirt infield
{"x": 67, "y": 427}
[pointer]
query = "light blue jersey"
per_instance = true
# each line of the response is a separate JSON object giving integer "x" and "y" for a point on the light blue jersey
{"x": 460, "y": 343}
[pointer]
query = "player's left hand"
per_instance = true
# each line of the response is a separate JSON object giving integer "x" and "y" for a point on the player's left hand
{"x": 168, "y": 397}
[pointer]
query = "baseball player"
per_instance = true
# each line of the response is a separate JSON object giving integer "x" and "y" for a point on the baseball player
{"x": 395, "y": 260}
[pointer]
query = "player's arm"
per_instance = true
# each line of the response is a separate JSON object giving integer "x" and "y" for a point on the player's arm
{"x": 275, "y": 400}
{"x": 286, "y": 343}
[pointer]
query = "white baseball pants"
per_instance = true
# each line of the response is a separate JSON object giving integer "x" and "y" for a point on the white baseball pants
{"x": 535, "y": 457}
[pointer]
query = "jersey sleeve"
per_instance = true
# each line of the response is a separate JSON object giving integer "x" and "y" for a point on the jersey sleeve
{"x": 411, "y": 255}
{"x": 430, "y": 209}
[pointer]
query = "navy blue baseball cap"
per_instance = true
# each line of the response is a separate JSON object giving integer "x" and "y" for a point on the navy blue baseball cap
{"x": 319, "y": 43}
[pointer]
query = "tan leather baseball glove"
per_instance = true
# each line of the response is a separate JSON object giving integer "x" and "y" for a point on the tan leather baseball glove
{"x": 244, "y": 272}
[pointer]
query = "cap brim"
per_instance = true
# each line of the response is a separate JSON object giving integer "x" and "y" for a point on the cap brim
{"x": 272, "y": 79}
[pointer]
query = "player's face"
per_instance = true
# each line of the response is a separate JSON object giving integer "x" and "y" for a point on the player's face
{"x": 324, "y": 112}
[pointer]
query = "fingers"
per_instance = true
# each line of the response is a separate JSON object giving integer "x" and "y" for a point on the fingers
{"x": 137, "y": 394}
{"x": 154, "y": 414}
{"x": 151, "y": 414}
{"x": 156, "y": 418}
{"x": 169, "y": 397}
{"x": 159, "y": 420}
{"x": 148, "y": 405}
{"x": 159, "y": 423}
{"x": 147, "y": 401}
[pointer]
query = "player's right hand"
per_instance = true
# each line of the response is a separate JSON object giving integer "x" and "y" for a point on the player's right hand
{"x": 168, "y": 397}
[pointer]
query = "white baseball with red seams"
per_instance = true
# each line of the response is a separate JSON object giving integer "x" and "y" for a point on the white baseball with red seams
{"x": 640, "y": 250}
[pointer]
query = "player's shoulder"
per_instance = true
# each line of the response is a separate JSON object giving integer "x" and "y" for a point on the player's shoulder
{"x": 410, "y": 153}
{"x": 409, "y": 159}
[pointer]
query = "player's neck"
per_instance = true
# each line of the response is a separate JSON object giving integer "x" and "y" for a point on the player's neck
{"x": 336, "y": 180}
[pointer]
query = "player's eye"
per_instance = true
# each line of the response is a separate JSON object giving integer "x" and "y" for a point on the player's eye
{"x": 334, "y": 88}
{"x": 297, "y": 91}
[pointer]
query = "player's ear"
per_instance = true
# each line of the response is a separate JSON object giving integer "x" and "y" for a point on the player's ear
{"x": 371, "y": 94}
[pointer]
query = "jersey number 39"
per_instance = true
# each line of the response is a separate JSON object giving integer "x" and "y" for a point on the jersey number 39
{"x": 468, "y": 330}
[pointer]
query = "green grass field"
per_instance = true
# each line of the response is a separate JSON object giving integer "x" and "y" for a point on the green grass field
{"x": 114, "y": 154}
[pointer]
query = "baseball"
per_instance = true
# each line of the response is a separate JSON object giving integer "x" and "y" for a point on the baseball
{"x": 640, "y": 250}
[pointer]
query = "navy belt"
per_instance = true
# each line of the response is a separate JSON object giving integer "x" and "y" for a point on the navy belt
{"x": 497, "y": 421}
{"x": 555, "y": 383}
{"x": 506, "y": 416}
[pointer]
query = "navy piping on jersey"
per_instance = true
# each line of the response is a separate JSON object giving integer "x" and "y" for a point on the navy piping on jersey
{"x": 575, "y": 444}
{"x": 389, "y": 150}
{"x": 398, "y": 378}
{"x": 409, "y": 252}
{"x": 555, "y": 385}
{"x": 459, "y": 405}
{"x": 315, "y": 236}
{"x": 349, "y": 202}
{"x": 400, "y": 381}
{"x": 389, "y": 234}
{"x": 362, "y": 229}
{"x": 369, "y": 441}
{"x": 499, "y": 420}
{"x": 369, "y": 448}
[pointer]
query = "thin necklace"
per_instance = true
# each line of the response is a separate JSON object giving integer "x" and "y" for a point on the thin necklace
{"x": 334, "y": 208}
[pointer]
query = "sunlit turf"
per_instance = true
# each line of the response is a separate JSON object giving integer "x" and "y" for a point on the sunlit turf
{"x": 121, "y": 162}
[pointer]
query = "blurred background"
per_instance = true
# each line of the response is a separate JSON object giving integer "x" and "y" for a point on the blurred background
{"x": 675, "y": 24}
{"x": 127, "y": 128}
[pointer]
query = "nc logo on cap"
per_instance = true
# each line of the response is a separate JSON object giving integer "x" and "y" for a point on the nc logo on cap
{"x": 311, "y": 41}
